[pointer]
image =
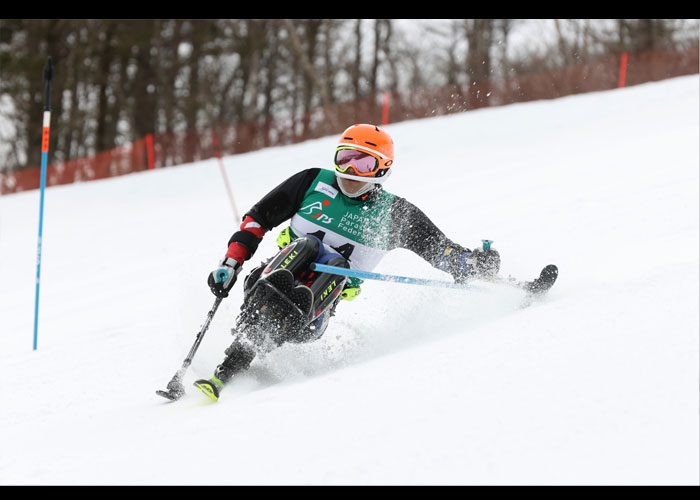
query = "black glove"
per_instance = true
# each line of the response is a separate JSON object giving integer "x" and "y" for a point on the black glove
{"x": 486, "y": 263}
{"x": 222, "y": 279}
{"x": 464, "y": 264}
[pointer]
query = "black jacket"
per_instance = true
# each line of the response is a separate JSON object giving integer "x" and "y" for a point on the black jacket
{"x": 410, "y": 228}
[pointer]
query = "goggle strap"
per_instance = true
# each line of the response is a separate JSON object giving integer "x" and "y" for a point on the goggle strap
{"x": 345, "y": 145}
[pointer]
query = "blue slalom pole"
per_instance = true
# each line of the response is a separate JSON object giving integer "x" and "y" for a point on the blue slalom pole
{"x": 48, "y": 76}
{"x": 389, "y": 277}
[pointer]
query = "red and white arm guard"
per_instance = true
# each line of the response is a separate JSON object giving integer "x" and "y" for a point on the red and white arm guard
{"x": 244, "y": 243}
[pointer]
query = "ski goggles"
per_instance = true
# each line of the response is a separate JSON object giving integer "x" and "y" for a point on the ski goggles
{"x": 364, "y": 164}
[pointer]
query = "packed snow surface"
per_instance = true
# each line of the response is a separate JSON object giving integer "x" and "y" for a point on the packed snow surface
{"x": 596, "y": 384}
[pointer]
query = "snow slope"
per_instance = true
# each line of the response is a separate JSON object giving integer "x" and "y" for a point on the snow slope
{"x": 598, "y": 384}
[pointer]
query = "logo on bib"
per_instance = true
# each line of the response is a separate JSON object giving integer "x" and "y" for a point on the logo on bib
{"x": 317, "y": 206}
{"x": 324, "y": 188}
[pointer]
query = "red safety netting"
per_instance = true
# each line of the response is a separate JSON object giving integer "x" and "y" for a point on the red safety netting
{"x": 175, "y": 148}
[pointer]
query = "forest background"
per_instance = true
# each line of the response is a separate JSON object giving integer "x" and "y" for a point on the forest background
{"x": 117, "y": 81}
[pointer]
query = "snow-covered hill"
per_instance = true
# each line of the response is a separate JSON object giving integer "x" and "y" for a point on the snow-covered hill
{"x": 598, "y": 384}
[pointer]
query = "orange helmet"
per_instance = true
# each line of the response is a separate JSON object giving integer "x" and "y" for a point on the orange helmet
{"x": 372, "y": 140}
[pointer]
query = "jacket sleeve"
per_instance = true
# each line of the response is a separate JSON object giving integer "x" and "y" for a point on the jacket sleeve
{"x": 275, "y": 207}
{"x": 413, "y": 230}
{"x": 282, "y": 202}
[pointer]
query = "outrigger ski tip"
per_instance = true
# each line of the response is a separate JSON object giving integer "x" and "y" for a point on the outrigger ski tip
{"x": 546, "y": 279}
{"x": 540, "y": 285}
{"x": 175, "y": 390}
{"x": 172, "y": 396}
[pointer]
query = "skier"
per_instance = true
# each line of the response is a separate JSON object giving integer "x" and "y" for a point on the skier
{"x": 341, "y": 217}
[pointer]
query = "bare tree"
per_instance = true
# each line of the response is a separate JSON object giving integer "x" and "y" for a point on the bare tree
{"x": 480, "y": 35}
{"x": 120, "y": 80}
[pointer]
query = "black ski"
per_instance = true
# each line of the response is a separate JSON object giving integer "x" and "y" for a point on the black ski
{"x": 535, "y": 288}
{"x": 539, "y": 285}
{"x": 545, "y": 281}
